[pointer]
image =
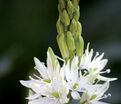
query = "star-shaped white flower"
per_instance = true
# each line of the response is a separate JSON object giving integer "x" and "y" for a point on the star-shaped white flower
{"x": 73, "y": 77}
{"x": 88, "y": 62}
{"x": 52, "y": 70}
{"x": 94, "y": 65}
{"x": 56, "y": 93}
{"x": 94, "y": 93}
{"x": 50, "y": 85}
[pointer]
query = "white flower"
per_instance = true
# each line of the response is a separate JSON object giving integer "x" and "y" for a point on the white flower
{"x": 50, "y": 87}
{"x": 72, "y": 77}
{"x": 94, "y": 93}
{"x": 88, "y": 62}
{"x": 56, "y": 93}
{"x": 51, "y": 71}
{"x": 47, "y": 74}
{"x": 76, "y": 82}
{"x": 78, "y": 79}
{"x": 43, "y": 100}
{"x": 53, "y": 93}
{"x": 94, "y": 65}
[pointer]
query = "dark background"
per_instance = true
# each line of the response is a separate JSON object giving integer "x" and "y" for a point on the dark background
{"x": 27, "y": 28}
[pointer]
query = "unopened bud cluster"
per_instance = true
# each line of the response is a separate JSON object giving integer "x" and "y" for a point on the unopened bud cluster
{"x": 69, "y": 29}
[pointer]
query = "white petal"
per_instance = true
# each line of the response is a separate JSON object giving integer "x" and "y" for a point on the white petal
{"x": 33, "y": 96}
{"x": 35, "y": 85}
{"x": 74, "y": 70}
{"x": 102, "y": 64}
{"x": 49, "y": 62}
{"x": 75, "y": 95}
{"x": 41, "y": 68}
{"x": 99, "y": 102}
{"x": 44, "y": 100}
{"x": 63, "y": 99}
{"x": 102, "y": 78}
{"x": 100, "y": 91}
{"x": 67, "y": 71}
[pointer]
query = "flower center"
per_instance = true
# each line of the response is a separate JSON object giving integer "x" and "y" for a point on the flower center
{"x": 47, "y": 80}
{"x": 93, "y": 96}
{"x": 75, "y": 86}
{"x": 55, "y": 94}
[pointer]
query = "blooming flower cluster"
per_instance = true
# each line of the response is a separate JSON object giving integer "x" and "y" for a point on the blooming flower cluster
{"x": 78, "y": 79}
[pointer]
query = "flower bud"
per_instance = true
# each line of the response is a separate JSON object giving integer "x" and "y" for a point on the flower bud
{"x": 62, "y": 4}
{"x": 75, "y": 3}
{"x": 65, "y": 18}
{"x": 70, "y": 41}
{"x": 79, "y": 46}
{"x": 63, "y": 46}
{"x": 73, "y": 27}
{"x": 70, "y": 9}
{"x": 79, "y": 27}
{"x": 59, "y": 8}
{"x": 59, "y": 27}
{"x": 77, "y": 14}
{"x": 79, "y": 30}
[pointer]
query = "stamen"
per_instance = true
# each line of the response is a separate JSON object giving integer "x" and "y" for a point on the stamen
{"x": 60, "y": 59}
{"x": 107, "y": 71}
{"x": 97, "y": 81}
{"x": 105, "y": 96}
{"x": 36, "y": 76}
{"x": 30, "y": 77}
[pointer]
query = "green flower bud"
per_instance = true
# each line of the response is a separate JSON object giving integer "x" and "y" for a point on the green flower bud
{"x": 75, "y": 3}
{"x": 79, "y": 28}
{"x": 53, "y": 58}
{"x": 71, "y": 44}
{"x": 63, "y": 46}
{"x": 73, "y": 27}
{"x": 59, "y": 8}
{"x": 70, "y": 9}
{"x": 79, "y": 46}
{"x": 70, "y": 41}
{"x": 78, "y": 31}
{"x": 59, "y": 27}
{"x": 62, "y": 4}
{"x": 77, "y": 14}
{"x": 65, "y": 18}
